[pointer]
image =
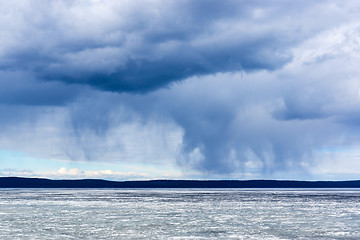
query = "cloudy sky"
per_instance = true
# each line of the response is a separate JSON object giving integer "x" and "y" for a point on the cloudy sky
{"x": 183, "y": 89}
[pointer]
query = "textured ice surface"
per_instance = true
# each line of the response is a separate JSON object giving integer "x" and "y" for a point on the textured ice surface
{"x": 178, "y": 214}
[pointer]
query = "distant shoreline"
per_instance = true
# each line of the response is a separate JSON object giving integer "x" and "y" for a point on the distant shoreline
{"x": 20, "y": 182}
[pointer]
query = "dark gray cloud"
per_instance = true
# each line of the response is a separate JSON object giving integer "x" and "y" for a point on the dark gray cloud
{"x": 124, "y": 47}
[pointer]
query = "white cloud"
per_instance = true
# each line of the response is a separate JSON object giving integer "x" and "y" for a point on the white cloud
{"x": 75, "y": 173}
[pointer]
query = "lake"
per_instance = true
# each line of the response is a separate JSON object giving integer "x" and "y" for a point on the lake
{"x": 179, "y": 214}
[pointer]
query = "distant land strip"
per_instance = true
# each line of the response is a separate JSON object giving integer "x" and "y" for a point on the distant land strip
{"x": 19, "y": 182}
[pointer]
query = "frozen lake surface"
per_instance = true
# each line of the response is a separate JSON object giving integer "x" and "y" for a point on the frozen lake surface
{"x": 179, "y": 214}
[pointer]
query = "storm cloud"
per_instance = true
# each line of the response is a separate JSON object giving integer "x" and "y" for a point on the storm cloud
{"x": 139, "y": 46}
{"x": 219, "y": 88}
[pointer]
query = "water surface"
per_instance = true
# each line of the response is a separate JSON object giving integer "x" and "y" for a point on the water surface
{"x": 179, "y": 214}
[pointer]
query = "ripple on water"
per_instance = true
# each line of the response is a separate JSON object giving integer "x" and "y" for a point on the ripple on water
{"x": 178, "y": 214}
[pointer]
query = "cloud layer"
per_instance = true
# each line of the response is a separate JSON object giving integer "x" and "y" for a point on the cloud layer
{"x": 123, "y": 46}
{"x": 238, "y": 87}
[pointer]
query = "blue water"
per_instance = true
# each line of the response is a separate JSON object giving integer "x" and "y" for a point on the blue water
{"x": 179, "y": 214}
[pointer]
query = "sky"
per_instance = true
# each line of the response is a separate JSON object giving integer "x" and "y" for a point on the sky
{"x": 183, "y": 89}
